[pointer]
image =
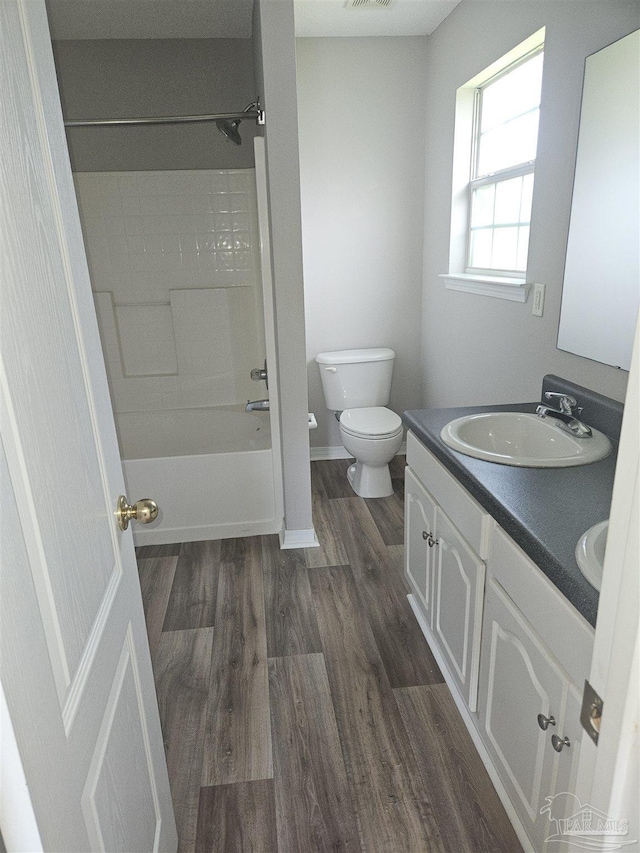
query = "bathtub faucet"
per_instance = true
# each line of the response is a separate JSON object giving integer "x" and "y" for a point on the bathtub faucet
{"x": 257, "y": 406}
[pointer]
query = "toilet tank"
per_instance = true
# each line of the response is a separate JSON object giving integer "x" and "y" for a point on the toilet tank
{"x": 355, "y": 378}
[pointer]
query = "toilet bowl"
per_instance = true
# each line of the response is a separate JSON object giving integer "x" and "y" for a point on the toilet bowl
{"x": 373, "y": 436}
{"x": 356, "y": 383}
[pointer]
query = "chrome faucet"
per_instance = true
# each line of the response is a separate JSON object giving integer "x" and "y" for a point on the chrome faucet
{"x": 257, "y": 406}
{"x": 567, "y": 405}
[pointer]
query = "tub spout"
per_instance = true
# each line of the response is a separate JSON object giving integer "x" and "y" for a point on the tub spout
{"x": 257, "y": 406}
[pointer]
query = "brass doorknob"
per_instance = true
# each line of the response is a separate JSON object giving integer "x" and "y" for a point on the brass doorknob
{"x": 145, "y": 510}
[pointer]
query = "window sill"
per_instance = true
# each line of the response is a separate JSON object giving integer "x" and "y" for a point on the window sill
{"x": 500, "y": 287}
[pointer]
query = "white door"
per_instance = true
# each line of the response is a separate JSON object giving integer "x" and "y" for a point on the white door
{"x": 75, "y": 664}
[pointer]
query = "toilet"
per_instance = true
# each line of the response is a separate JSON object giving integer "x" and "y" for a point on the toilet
{"x": 357, "y": 385}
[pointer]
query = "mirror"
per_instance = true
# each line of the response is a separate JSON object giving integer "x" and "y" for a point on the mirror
{"x": 601, "y": 289}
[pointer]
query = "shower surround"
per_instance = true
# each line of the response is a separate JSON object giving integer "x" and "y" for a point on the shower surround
{"x": 174, "y": 258}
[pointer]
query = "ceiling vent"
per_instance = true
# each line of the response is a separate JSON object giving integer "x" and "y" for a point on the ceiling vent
{"x": 369, "y": 4}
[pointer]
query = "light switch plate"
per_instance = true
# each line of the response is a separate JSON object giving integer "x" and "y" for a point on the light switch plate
{"x": 538, "y": 299}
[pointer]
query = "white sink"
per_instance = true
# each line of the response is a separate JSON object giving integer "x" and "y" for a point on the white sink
{"x": 515, "y": 438}
{"x": 590, "y": 552}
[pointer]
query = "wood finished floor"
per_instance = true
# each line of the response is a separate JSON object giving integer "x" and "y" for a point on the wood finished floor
{"x": 301, "y": 707}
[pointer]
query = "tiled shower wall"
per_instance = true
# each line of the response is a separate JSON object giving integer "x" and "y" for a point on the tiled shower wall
{"x": 174, "y": 262}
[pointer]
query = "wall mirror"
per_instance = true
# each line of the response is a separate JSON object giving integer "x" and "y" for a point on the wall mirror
{"x": 601, "y": 290}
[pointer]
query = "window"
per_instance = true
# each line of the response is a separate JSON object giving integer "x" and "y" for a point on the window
{"x": 505, "y": 132}
{"x": 494, "y": 152}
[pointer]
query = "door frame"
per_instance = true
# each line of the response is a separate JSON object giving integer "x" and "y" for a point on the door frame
{"x": 17, "y": 819}
{"x": 605, "y": 777}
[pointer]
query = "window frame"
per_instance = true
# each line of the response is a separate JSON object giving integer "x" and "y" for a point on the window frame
{"x": 456, "y": 278}
{"x": 493, "y": 178}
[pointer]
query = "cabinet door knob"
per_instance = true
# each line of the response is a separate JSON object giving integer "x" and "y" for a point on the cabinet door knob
{"x": 559, "y": 743}
{"x": 545, "y": 722}
{"x": 425, "y": 535}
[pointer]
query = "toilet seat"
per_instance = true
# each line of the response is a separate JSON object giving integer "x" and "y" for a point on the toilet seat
{"x": 373, "y": 422}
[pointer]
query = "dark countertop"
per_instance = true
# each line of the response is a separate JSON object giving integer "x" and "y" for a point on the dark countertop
{"x": 544, "y": 510}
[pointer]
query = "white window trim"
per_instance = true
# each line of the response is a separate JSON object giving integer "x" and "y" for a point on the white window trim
{"x": 512, "y": 287}
{"x": 501, "y": 287}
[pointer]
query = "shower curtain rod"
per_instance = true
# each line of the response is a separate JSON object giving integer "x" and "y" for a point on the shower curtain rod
{"x": 258, "y": 115}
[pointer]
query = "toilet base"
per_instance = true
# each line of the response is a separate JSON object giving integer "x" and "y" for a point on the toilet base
{"x": 369, "y": 482}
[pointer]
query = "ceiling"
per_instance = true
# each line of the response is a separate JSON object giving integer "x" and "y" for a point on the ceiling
{"x": 156, "y": 19}
{"x": 403, "y": 18}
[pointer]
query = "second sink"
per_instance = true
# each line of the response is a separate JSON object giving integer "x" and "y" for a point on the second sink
{"x": 590, "y": 552}
{"x": 522, "y": 439}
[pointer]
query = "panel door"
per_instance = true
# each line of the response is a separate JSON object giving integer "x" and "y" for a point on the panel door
{"x": 75, "y": 664}
{"x": 457, "y": 606}
{"x": 519, "y": 680}
{"x": 420, "y": 515}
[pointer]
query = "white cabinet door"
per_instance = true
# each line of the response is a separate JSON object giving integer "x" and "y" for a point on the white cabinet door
{"x": 562, "y": 803}
{"x": 420, "y": 513}
{"x": 519, "y": 680}
{"x": 457, "y": 606}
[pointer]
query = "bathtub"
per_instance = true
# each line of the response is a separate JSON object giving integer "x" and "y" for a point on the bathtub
{"x": 209, "y": 470}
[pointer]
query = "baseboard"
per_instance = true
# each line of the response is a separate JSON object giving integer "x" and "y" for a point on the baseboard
{"x": 173, "y": 535}
{"x": 319, "y": 454}
{"x": 298, "y": 539}
{"x": 472, "y": 729}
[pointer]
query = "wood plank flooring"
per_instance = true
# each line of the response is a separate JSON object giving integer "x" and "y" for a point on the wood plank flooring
{"x": 392, "y": 806}
{"x": 182, "y": 676}
{"x": 310, "y": 814}
{"x": 237, "y": 744}
{"x": 237, "y": 818}
{"x": 192, "y": 603}
{"x": 444, "y": 749}
{"x": 301, "y": 707}
{"x": 156, "y": 579}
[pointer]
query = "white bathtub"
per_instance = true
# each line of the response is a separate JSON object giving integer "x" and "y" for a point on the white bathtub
{"x": 209, "y": 470}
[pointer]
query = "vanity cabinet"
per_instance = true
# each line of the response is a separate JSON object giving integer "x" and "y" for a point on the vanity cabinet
{"x": 513, "y": 651}
{"x": 535, "y": 656}
{"x": 448, "y": 579}
{"x": 526, "y": 704}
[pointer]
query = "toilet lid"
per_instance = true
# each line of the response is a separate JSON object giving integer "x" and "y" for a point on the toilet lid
{"x": 375, "y": 421}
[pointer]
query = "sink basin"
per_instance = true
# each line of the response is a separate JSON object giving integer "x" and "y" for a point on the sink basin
{"x": 590, "y": 552}
{"x": 515, "y": 438}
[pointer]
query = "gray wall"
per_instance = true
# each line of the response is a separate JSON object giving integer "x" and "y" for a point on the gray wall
{"x": 362, "y": 137}
{"x": 114, "y": 78}
{"x": 478, "y": 349}
{"x": 273, "y": 28}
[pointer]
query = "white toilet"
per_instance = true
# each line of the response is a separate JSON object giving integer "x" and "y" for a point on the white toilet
{"x": 357, "y": 384}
